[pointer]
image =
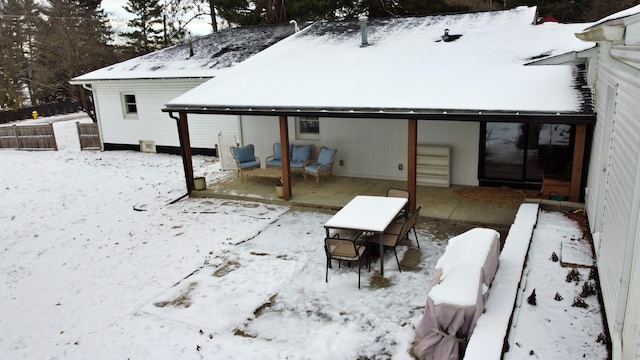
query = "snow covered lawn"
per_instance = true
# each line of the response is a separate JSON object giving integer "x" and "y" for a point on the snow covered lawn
{"x": 84, "y": 275}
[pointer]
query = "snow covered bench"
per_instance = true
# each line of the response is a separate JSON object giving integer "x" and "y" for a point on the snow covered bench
{"x": 487, "y": 339}
{"x": 463, "y": 274}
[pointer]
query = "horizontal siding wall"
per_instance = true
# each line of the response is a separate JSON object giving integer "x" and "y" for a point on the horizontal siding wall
{"x": 374, "y": 148}
{"x": 631, "y": 332}
{"x": 619, "y": 183}
{"x": 204, "y": 129}
{"x": 262, "y": 132}
{"x": 599, "y": 158}
{"x": 370, "y": 148}
{"x": 152, "y": 124}
{"x": 464, "y": 140}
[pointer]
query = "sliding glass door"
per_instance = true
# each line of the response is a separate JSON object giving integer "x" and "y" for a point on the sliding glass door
{"x": 519, "y": 155}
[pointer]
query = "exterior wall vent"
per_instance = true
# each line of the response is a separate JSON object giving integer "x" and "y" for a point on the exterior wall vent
{"x": 147, "y": 146}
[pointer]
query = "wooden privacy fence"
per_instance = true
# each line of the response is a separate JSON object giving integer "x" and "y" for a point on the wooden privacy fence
{"x": 89, "y": 136}
{"x": 28, "y": 137}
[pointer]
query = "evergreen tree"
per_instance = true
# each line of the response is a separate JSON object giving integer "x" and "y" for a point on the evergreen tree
{"x": 147, "y": 25}
{"x": 387, "y": 8}
{"x": 243, "y": 12}
{"x": 19, "y": 21}
{"x": 303, "y": 10}
{"x": 73, "y": 41}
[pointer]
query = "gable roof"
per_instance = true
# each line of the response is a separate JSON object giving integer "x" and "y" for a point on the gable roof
{"x": 406, "y": 71}
{"x": 211, "y": 54}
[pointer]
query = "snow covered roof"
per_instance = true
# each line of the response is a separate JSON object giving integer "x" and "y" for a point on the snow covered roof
{"x": 618, "y": 17}
{"x": 211, "y": 54}
{"x": 405, "y": 71}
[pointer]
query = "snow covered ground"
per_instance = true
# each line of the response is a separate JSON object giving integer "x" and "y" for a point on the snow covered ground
{"x": 84, "y": 275}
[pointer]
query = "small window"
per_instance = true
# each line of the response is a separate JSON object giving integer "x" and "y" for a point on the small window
{"x": 307, "y": 128}
{"x": 130, "y": 106}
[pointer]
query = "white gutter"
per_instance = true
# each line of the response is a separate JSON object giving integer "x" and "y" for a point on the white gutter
{"x": 95, "y": 80}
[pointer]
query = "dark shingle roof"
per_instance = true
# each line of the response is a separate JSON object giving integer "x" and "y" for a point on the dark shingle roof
{"x": 211, "y": 53}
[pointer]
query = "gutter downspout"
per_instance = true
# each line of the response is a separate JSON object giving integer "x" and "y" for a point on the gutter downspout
{"x": 95, "y": 107}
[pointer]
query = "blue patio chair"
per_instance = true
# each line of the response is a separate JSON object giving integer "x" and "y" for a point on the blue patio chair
{"x": 275, "y": 160}
{"x": 323, "y": 166}
{"x": 245, "y": 159}
{"x": 299, "y": 156}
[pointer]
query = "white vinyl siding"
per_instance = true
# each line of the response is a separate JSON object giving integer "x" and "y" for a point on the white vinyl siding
{"x": 599, "y": 161}
{"x": 152, "y": 124}
{"x": 464, "y": 140}
{"x": 373, "y": 148}
{"x": 616, "y": 150}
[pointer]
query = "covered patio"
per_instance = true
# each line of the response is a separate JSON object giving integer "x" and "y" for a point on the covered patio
{"x": 377, "y": 122}
{"x": 468, "y": 204}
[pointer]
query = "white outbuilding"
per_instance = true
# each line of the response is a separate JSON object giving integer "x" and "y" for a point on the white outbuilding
{"x": 129, "y": 96}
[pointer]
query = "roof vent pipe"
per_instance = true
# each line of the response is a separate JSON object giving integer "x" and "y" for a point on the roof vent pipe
{"x": 295, "y": 26}
{"x": 363, "y": 30}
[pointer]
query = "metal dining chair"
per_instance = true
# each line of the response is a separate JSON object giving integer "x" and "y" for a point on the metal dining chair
{"x": 342, "y": 249}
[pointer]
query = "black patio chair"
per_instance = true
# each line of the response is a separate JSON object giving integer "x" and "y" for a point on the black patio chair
{"x": 346, "y": 250}
{"x": 396, "y": 226}
{"x": 391, "y": 238}
{"x": 400, "y": 193}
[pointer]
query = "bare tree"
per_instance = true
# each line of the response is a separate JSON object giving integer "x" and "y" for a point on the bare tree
{"x": 191, "y": 9}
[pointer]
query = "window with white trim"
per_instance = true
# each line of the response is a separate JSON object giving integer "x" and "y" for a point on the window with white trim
{"x": 307, "y": 128}
{"x": 130, "y": 106}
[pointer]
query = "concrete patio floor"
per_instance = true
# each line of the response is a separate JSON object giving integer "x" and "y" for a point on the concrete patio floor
{"x": 471, "y": 205}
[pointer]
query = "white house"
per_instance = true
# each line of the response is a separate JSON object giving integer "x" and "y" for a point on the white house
{"x": 374, "y": 88}
{"x": 379, "y": 95}
{"x": 613, "y": 187}
{"x": 130, "y": 95}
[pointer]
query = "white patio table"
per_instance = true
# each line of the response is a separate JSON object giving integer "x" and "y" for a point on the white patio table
{"x": 368, "y": 213}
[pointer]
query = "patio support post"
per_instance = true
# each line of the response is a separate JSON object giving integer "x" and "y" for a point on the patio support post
{"x": 412, "y": 141}
{"x": 578, "y": 159}
{"x": 286, "y": 158}
{"x": 185, "y": 150}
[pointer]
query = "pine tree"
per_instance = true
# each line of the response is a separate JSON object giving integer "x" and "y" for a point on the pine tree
{"x": 147, "y": 25}
{"x": 18, "y": 27}
{"x": 73, "y": 41}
